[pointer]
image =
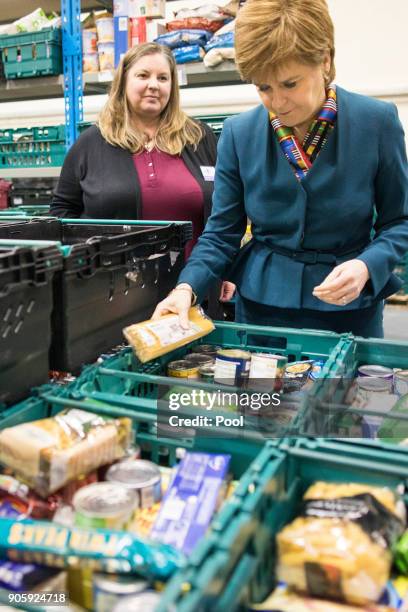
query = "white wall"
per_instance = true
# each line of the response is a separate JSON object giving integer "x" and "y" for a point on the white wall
{"x": 371, "y": 58}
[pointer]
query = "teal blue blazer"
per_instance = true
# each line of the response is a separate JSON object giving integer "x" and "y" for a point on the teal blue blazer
{"x": 352, "y": 204}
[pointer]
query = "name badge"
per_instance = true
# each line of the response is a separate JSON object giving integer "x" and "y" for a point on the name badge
{"x": 208, "y": 172}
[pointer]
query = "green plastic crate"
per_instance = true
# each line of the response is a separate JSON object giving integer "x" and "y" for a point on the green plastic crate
{"x": 122, "y": 380}
{"x": 326, "y": 412}
{"x": 157, "y": 449}
{"x": 215, "y": 122}
{"x": 31, "y": 54}
{"x": 32, "y": 147}
{"x": 239, "y": 565}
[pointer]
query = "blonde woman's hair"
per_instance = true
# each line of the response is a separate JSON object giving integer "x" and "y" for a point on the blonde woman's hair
{"x": 176, "y": 129}
{"x": 270, "y": 33}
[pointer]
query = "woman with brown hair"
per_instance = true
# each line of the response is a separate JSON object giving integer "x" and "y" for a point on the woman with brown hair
{"x": 322, "y": 175}
{"x": 145, "y": 158}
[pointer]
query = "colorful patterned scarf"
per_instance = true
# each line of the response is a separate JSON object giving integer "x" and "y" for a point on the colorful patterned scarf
{"x": 301, "y": 157}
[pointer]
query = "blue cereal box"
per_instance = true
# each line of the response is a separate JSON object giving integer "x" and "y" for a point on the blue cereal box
{"x": 191, "y": 500}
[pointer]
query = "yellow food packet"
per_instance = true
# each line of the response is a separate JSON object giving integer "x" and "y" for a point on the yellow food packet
{"x": 151, "y": 339}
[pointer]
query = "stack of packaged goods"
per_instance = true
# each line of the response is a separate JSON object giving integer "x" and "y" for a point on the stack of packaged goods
{"x": 338, "y": 554}
{"x": 110, "y": 512}
{"x": 98, "y": 42}
{"x": 191, "y": 31}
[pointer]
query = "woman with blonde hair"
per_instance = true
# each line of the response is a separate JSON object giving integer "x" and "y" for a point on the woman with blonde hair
{"x": 145, "y": 158}
{"x": 321, "y": 173}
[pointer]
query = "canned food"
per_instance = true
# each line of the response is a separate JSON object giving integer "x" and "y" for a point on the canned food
{"x": 267, "y": 365}
{"x": 142, "y": 602}
{"x": 374, "y": 385}
{"x": 142, "y": 477}
{"x": 199, "y": 359}
{"x": 207, "y": 349}
{"x": 297, "y": 374}
{"x": 207, "y": 372}
{"x": 110, "y": 589}
{"x": 104, "y": 504}
{"x": 376, "y": 370}
{"x": 232, "y": 366}
{"x": 182, "y": 369}
{"x": 401, "y": 382}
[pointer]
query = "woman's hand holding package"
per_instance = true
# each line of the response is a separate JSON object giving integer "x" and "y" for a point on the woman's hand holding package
{"x": 344, "y": 283}
{"x": 178, "y": 302}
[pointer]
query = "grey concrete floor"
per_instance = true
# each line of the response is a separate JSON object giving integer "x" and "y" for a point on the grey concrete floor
{"x": 396, "y": 322}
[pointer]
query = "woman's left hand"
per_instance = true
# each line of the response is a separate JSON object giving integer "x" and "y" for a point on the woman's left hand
{"x": 344, "y": 283}
{"x": 227, "y": 291}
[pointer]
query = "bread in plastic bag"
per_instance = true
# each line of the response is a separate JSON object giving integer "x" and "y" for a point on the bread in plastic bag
{"x": 49, "y": 453}
{"x": 151, "y": 339}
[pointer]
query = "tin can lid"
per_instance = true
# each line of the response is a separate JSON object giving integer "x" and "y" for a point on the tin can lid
{"x": 134, "y": 474}
{"x": 104, "y": 499}
{"x": 119, "y": 584}
{"x": 375, "y": 370}
{"x": 142, "y": 602}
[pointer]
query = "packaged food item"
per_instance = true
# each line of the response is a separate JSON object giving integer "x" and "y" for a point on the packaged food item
{"x": 393, "y": 428}
{"x": 377, "y": 371}
{"x": 104, "y": 504}
{"x": 216, "y": 56}
{"x": 152, "y": 339}
{"x": 106, "y": 55}
{"x": 182, "y": 369}
{"x": 207, "y": 372}
{"x": 268, "y": 369}
{"x": 340, "y": 547}
{"x": 220, "y": 41}
{"x": 401, "y": 382}
{"x": 51, "y": 452}
{"x": 207, "y": 349}
{"x": 317, "y": 367}
{"x": 284, "y": 600}
{"x": 147, "y": 601}
{"x": 140, "y": 476}
{"x": 99, "y": 549}
{"x": 232, "y": 366}
{"x": 104, "y": 28}
{"x": 33, "y": 22}
{"x": 89, "y": 40}
{"x": 297, "y": 374}
{"x": 182, "y": 38}
{"x": 206, "y": 11}
{"x": 194, "y": 23}
{"x": 23, "y": 576}
{"x": 109, "y": 590}
{"x": 199, "y": 359}
{"x": 191, "y": 500}
{"x": 190, "y": 53}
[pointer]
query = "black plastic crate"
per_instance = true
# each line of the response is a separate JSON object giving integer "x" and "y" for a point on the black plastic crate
{"x": 114, "y": 273}
{"x": 26, "y": 301}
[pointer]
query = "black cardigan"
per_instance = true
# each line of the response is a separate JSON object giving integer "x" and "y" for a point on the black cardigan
{"x": 100, "y": 181}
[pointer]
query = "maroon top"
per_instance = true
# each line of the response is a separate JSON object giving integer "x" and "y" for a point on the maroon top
{"x": 169, "y": 191}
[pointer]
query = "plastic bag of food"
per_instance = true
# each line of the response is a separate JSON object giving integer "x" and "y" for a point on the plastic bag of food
{"x": 285, "y": 600}
{"x": 191, "y": 53}
{"x": 222, "y": 41}
{"x": 51, "y": 452}
{"x": 340, "y": 546}
{"x": 217, "y": 56}
{"x": 151, "y": 339}
{"x": 211, "y": 12}
{"x": 194, "y": 23}
{"x": 182, "y": 38}
{"x": 33, "y": 22}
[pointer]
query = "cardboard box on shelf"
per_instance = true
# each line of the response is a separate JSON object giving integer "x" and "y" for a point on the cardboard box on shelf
{"x": 150, "y": 9}
{"x": 120, "y": 8}
{"x": 144, "y": 30}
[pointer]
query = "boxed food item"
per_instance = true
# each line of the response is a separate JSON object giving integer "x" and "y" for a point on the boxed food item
{"x": 147, "y": 8}
{"x": 151, "y": 339}
{"x": 51, "y": 452}
{"x": 191, "y": 500}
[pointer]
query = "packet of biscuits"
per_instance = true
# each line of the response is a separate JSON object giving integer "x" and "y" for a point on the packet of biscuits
{"x": 151, "y": 339}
